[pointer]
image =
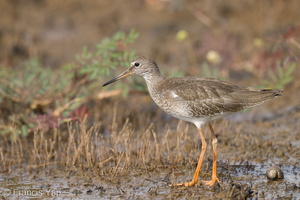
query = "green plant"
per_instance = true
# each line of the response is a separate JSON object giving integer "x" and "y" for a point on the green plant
{"x": 34, "y": 97}
{"x": 109, "y": 53}
{"x": 208, "y": 71}
{"x": 282, "y": 75}
{"x": 30, "y": 91}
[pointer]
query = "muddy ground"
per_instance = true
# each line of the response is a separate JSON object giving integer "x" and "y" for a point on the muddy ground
{"x": 248, "y": 145}
{"x": 137, "y": 151}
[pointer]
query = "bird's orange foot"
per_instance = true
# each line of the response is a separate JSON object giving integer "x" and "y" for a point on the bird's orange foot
{"x": 186, "y": 184}
{"x": 211, "y": 182}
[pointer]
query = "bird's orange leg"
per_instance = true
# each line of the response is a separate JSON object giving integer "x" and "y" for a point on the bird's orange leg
{"x": 214, "y": 177}
{"x": 196, "y": 175}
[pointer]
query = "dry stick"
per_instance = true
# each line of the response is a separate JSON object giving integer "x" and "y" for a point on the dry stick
{"x": 201, "y": 16}
{"x": 179, "y": 139}
{"x": 42, "y": 103}
{"x": 114, "y": 119}
{"x": 186, "y": 130}
{"x": 78, "y": 149}
{"x": 43, "y": 165}
{"x": 147, "y": 147}
{"x": 70, "y": 142}
{"x": 84, "y": 144}
{"x": 21, "y": 148}
{"x": 82, "y": 137}
{"x": 45, "y": 150}
{"x": 294, "y": 42}
{"x": 87, "y": 144}
{"x": 115, "y": 138}
{"x": 18, "y": 151}
{"x": 41, "y": 143}
{"x": 18, "y": 145}
{"x": 12, "y": 153}
{"x": 125, "y": 125}
{"x": 57, "y": 112}
{"x": 145, "y": 166}
{"x": 128, "y": 146}
{"x": 103, "y": 151}
{"x": 3, "y": 155}
{"x": 87, "y": 147}
{"x": 60, "y": 146}
{"x": 94, "y": 156}
{"x": 55, "y": 136}
{"x": 2, "y": 158}
{"x": 157, "y": 152}
{"x": 119, "y": 158}
{"x": 50, "y": 152}
{"x": 91, "y": 156}
{"x": 166, "y": 143}
{"x": 107, "y": 94}
{"x": 34, "y": 150}
{"x": 73, "y": 147}
{"x": 105, "y": 161}
{"x": 127, "y": 143}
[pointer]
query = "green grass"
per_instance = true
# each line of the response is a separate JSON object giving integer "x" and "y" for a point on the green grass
{"x": 34, "y": 97}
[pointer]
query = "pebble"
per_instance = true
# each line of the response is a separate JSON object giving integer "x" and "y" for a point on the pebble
{"x": 274, "y": 173}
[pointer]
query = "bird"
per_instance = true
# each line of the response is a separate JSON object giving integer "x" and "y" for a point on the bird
{"x": 197, "y": 100}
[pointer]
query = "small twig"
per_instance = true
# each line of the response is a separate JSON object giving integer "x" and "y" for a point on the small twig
{"x": 202, "y": 17}
{"x": 294, "y": 42}
{"x": 107, "y": 94}
{"x": 43, "y": 103}
{"x": 44, "y": 164}
{"x": 60, "y": 109}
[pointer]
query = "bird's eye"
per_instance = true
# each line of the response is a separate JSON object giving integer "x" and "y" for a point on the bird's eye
{"x": 136, "y": 64}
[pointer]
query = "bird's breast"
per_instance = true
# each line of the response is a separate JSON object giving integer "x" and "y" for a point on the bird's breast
{"x": 170, "y": 102}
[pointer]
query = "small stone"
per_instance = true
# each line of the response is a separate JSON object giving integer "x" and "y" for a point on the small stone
{"x": 89, "y": 192}
{"x": 274, "y": 173}
{"x": 76, "y": 192}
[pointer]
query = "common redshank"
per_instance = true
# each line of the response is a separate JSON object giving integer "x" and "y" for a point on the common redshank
{"x": 197, "y": 100}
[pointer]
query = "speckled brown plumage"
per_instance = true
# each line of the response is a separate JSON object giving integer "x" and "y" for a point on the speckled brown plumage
{"x": 204, "y": 97}
{"x": 197, "y": 100}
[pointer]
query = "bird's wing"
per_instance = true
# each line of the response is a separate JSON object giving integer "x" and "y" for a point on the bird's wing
{"x": 207, "y": 97}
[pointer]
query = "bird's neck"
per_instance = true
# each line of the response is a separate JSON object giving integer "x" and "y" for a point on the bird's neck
{"x": 153, "y": 80}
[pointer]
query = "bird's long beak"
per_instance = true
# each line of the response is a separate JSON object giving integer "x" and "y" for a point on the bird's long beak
{"x": 123, "y": 75}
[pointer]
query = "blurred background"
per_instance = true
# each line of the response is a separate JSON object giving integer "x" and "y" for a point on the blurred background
{"x": 239, "y": 31}
{"x": 55, "y": 55}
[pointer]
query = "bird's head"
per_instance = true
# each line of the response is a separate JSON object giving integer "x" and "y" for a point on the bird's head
{"x": 140, "y": 66}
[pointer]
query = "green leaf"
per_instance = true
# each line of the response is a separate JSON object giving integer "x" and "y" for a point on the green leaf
{"x": 280, "y": 71}
{"x": 272, "y": 75}
{"x": 291, "y": 68}
{"x": 119, "y": 35}
{"x": 24, "y": 130}
{"x": 286, "y": 80}
{"x": 125, "y": 55}
{"x": 133, "y": 35}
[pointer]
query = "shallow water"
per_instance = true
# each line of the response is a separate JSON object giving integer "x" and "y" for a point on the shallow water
{"x": 147, "y": 185}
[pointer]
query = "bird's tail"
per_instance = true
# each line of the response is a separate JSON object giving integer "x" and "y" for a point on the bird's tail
{"x": 273, "y": 93}
{"x": 255, "y": 97}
